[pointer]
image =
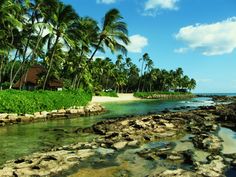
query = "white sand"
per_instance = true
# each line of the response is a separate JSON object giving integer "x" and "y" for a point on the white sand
{"x": 121, "y": 97}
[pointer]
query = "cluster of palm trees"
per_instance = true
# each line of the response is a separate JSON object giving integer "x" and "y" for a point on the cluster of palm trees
{"x": 124, "y": 76}
{"x": 52, "y": 34}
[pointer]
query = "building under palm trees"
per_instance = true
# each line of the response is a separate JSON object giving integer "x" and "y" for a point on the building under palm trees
{"x": 31, "y": 80}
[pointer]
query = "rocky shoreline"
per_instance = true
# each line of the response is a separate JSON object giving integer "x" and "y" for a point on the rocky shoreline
{"x": 11, "y": 118}
{"x": 168, "y": 96}
{"x": 116, "y": 136}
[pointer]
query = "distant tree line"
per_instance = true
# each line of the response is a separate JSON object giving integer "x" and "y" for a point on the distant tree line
{"x": 52, "y": 34}
{"x": 124, "y": 76}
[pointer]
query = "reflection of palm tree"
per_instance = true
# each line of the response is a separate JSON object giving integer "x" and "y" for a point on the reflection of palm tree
{"x": 113, "y": 31}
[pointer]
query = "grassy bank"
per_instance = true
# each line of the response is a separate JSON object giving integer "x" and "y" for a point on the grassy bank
{"x": 12, "y": 101}
{"x": 162, "y": 95}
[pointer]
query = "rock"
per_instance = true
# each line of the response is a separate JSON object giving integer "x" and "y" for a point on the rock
{"x": 176, "y": 173}
{"x": 72, "y": 111}
{"x": 169, "y": 125}
{"x": 120, "y": 145}
{"x": 37, "y": 114}
{"x": 85, "y": 153}
{"x": 44, "y": 113}
{"x": 61, "y": 111}
{"x": 25, "y": 119}
{"x": 29, "y": 115}
{"x": 81, "y": 111}
{"x": 165, "y": 134}
{"x": 12, "y": 116}
{"x": 104, "y": 151}
{"x": 233, "y": 163}
{"x": 215, "y": 168}
{"x": 134, "y": 143}
{"x": 209, "y": 142}
{"x": 3, "y": 115}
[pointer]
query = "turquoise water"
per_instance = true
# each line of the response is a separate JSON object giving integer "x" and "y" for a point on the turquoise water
{"x": 23, "y": 139}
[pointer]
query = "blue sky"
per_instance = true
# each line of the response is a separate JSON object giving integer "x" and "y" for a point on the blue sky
{"x": 197, "y": 35}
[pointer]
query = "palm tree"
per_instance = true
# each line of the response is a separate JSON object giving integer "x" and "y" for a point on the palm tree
{"x": 192, "y": 84}
{"x": 144, "y": 59}
{"x": 114, "y": 31}
{"x": 62, "y": 21}
{"x": 9, "y": 23}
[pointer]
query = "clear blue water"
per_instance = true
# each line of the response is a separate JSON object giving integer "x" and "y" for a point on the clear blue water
{"x": 23, "y": 139}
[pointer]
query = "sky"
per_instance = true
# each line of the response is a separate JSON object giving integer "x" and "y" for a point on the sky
{"x": 197, "y": 35}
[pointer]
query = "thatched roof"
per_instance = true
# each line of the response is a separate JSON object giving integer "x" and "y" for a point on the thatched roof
{"x": 32, "y": 76}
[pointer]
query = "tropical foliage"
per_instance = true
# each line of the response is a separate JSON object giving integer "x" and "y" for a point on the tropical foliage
{"x": 30, "y": 102}
{"x": 52, "y": 34}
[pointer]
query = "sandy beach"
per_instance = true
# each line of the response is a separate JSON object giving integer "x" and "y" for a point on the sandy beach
{"x": 121, "y": 97}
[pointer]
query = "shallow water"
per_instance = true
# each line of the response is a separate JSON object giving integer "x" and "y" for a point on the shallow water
{"x": 23, "y": 139}
{"x": 229, "y": 140}
{"x": 129, "y": 163}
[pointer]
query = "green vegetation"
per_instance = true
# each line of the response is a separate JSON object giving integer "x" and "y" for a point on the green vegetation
{"x": 110, "y": 94}
{"x": 159, "y": 94}
{"x": 52, "y": 34}
{"x": 31, "y": 102}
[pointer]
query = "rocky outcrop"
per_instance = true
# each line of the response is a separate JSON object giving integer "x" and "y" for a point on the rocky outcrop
{"x": 91, "y": 109}
{"x": 48, "y": 163}
{"x": 116, "y": 136}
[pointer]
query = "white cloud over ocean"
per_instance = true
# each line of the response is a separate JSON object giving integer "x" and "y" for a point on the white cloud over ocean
{"x": 152, "y": 7}
{"x": 106, "y": 1}
{"x": 210, "y": 39}
{"x": 137, "y": 43}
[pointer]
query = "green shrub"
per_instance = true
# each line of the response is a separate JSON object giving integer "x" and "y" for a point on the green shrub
{"x": 12, "y": 101}
{"x": 110, "y": 94}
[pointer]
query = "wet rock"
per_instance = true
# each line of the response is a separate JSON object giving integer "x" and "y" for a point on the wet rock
{"x": 120, "y": 145}
{"x": 165, "y": 135}
{"x": 208, "y": 142}
{"x": 134, "y": 143}
{"x": 176, "y": 173}
{"x": 166, "y": 110}
{"x": 215, "y": 168}
{"x": 104, "y": 151}
{"x": 85, "y": 153}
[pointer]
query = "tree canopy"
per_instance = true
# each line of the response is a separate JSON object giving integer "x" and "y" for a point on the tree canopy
{"x": 52, "y": 34}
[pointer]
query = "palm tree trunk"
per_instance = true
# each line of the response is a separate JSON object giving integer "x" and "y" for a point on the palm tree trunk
{"x": 95, "y": 51}
{"x": 51, "y": 61}
{"x": 139, "y": 82}
{"x": 12, "y": 68}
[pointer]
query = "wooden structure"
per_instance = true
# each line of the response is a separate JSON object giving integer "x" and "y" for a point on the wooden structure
{"x": 30, "y": 80}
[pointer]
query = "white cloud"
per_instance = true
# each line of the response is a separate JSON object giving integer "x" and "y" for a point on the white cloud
{"x": 181, "y": 50}
{"x": 106, "y": 1}
{"x": 161, "y": 4}
{"x": 137, "y": 43}
{"x": 211, "y": 39}
{"x": 151, "y": 7}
